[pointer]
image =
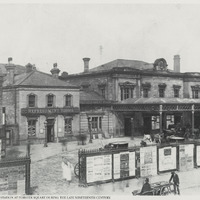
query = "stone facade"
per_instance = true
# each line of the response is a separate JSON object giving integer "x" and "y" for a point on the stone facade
{"x": 30, "y": 122}
{"x": 124, "y": 85}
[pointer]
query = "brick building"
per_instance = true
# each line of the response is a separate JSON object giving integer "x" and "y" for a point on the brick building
{"x": 134, "y": 97}
{"x": 38, "y": 103}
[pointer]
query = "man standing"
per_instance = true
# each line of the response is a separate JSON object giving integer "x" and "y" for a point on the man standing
{"x": 175, "y": 179}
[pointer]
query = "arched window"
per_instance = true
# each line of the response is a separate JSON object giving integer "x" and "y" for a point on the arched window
{"x": 31, "y": 100}
{"x": 68, "y": 100}
{"x": 50, "y": 100}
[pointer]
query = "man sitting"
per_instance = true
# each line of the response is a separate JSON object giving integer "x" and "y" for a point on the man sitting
{"x": 146, "y": 188}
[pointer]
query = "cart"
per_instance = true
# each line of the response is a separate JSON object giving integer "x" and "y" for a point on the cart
{"x": 158, "y": 189}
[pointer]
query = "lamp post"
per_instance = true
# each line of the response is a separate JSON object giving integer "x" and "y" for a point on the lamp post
{"x": 89, "y": 129}
{"x": 45, "y": 131}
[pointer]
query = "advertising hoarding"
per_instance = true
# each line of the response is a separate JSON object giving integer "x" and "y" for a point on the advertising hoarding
{"x": 99, "y": 168}
{"x": 12, "y": 180}
{"x": 148, "y": 161}
{"x": 186, "y": 157}
{"x": 167, "y": 158}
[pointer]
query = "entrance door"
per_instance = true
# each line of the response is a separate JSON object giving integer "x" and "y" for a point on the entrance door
{"x": 127, "y": 126}
{"x": 147, "y": 125}
{"x": 50, "y": 130}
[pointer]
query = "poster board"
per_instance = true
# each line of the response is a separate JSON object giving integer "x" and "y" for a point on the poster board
{"x": 13, "y": 180}
{"x": 124, "y": 164}
{"x": 186, "y": 157}
{"x": 148, "y": 161}
{"x": 99, "y": 168}
{"x": 167, "y": 158}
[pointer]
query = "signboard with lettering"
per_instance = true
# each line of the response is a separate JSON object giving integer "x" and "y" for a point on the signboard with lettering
{"x": 167, "y": 158}
{"x": 99, "y": 168}
{"x": 186, "y": 155}
{"x": 198, "y": 155}
{"x": 148, "y": 161}
{"x": 49, "y": 111}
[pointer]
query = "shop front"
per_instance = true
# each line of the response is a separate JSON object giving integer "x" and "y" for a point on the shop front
{"x": 49, "y": 124}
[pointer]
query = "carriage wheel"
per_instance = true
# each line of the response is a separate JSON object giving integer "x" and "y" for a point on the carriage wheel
{"x": 76, "y": 170}
{"x": 164, "y": 191}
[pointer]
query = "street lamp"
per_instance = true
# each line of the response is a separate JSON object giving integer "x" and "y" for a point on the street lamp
{"x": 45, "y": 131}
{"x": 89, "y": 129}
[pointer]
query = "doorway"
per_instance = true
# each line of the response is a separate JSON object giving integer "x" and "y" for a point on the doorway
{"x": 147, "y": 124}
{"x": 127, "y": 126}
{"x": 50, "y": 130}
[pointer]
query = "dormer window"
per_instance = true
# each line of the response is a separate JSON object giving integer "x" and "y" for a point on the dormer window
{"x": 32, "y": 100}
{"x": 68, "y": 100}
{"x": 50, "y": 100}
{"x": 127, "y": 89}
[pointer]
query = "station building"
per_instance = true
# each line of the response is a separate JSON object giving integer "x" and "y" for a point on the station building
{"x": 134, "y": 97}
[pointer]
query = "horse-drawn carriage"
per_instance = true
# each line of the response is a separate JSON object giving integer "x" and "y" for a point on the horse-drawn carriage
{"x": 158, "y": 189}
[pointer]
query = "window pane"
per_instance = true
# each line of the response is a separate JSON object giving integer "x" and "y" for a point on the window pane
{"x": 94, "y": 123}
{"x": 161, "y": 92}
{"x": 31, "y": 101}
{"x": 155, "y": 122}
{"x": 68, "y": 126}
{"x": 68, "y": 100}
{"x": 122, "y": 94}
{"x": 50, "y": 101}
{"x": 126, "y": 93}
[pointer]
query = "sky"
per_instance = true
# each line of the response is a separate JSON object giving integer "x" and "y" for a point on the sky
{"x": 64, "y": 33}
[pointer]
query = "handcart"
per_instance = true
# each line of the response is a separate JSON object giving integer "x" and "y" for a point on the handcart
{"x": 158, "y": 189}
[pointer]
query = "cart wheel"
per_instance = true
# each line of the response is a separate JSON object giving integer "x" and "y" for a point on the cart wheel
{"x": 164, "y": 191}
{"x": 76, "y": 170}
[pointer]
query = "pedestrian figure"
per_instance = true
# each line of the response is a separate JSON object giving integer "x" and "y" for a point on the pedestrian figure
{"x": 64, "y": 144}
{"x": 66, "y": 167}
{"x": 146, "y": 187}
{"x": 175, "y": 179}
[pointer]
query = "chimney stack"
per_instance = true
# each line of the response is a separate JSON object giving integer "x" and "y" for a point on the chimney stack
{"x": 29, "y": 68}
{"x": 10, "y": 71}
{"x": 177, "y": 63}
{"x": 55, "y": 71}
{"x": 86, "y": 64}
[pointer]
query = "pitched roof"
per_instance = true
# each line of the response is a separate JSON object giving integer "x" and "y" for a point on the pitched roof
{"x": 135, "y": 64}
{"x": 152, "y": 100}
{"x": 39, "y": 79}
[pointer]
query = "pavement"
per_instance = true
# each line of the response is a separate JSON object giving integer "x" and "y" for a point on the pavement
{"x": 46, "y": 172}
